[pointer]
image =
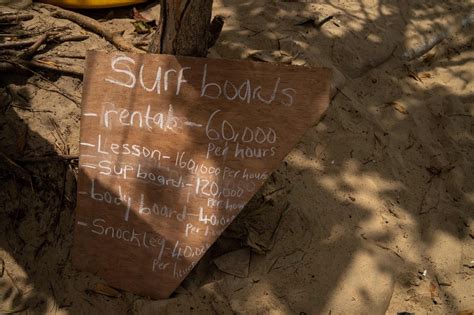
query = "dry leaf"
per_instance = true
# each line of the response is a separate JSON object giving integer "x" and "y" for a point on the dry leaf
{"x": 425, "y": 75}
{"x": 398, "y": 107}
{"x": 433, "y": 290}
{"x": 106, "y": 290}
{"x": 429, "y": 57}
{"x": 415, "y": 77}
{"x": 146, "y": 15}
{"x": 137, "y": 16}
{"x": 142, "y": 27}
{"x": 413, "y": 74}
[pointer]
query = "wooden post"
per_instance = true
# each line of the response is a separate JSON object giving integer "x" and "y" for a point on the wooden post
{"x": 185, "y": 28}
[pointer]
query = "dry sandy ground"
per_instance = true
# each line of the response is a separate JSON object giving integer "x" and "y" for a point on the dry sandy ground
{"x": 372, "y": 212}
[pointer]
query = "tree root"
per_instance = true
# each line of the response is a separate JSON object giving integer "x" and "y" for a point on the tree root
{"x": 93, "y": 26}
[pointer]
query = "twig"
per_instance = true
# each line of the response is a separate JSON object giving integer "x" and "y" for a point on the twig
{"x": 65, "y": 147}
{"x": 284, "y": 256}
{"x": 255, "y": 33}
{"x": 17, "y": 44}
{"x": 323, "y": 21}
{"x": 20, "y": 293}
{"x": 29, "y": 33}
{"x": 47, "y": 158}
{"x": 14, "y": 18}
{"x": 32, "y": 110}
{"x": 72, "y": 55}
{"x": 282, "y": 214}
{"x": 273, "y": 191}
{"x": 38, "y": 63}
{"x": 17, "y": 169}
{"x": 9, "y": 52}
{"x": 25, "y": 34}
{"x": 273, "y": 264}
{"x": 389, "y": 249}
{"x": 29, "y": 53}
{"x": 423, "y": 48}
{"x": 14, "y": 311}
{"x": 25, "y": 68}
{"x": 57, "y": 39}
{"x": 140, "y": 44}
{"x": 94, "y": 26}
{"x": 12, "y": 35}
{"x": 8, "y": 24}
{"x": 9, "y": 65}
{"x": 70, "y": 38}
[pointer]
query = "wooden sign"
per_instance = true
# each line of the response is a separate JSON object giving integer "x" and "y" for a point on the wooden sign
{"x": 171, "y": 150}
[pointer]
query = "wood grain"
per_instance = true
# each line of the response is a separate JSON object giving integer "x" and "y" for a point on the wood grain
{"x": 166, "y": 167}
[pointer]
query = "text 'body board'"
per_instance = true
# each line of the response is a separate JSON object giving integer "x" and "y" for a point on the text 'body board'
{"x": 171, "y": 150}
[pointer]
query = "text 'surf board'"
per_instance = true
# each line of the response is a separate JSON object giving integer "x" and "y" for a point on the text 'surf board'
{"x": 171, "y": 150}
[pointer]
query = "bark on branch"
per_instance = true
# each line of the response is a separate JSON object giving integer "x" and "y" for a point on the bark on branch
{"x": 185, "y": 28}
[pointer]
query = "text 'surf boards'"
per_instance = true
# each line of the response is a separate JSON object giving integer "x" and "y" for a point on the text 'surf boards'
{"x": 171, "y": 150}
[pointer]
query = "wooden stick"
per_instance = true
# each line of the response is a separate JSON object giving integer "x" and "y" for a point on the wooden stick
{"x": 94, "y": 26}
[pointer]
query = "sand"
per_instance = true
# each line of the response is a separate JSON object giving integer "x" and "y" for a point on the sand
{"x": 371, "y": 213}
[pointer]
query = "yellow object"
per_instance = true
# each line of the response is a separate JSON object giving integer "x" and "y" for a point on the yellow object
{"x": 92, "y": 4}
